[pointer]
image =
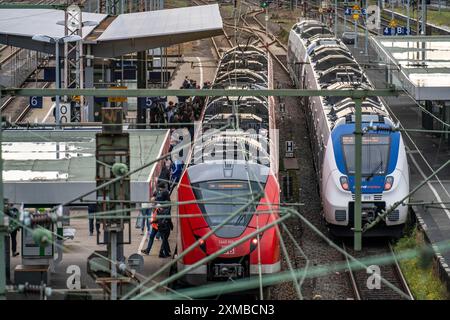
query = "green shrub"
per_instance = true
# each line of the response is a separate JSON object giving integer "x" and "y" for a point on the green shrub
{"x": 422, "y": 280}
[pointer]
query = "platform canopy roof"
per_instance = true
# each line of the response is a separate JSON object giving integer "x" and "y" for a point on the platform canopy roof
{"x": 114, "y": 35}
{"x": 54, "y": 166}
{"x": 419, "y": 64}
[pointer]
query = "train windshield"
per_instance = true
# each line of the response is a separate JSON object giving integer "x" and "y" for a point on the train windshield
{"x": 375, "y": 154}
{"x": 220, "y": 199}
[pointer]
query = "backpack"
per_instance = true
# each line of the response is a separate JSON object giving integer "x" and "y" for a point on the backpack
{"x": 165, "y": 223}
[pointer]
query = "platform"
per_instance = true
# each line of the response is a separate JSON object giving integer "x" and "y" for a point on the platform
{"x": 426, "y": 153}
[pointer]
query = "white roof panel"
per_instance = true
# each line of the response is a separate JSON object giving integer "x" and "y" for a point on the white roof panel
{"x": 29, "y": 22}
{"x": 163, "y": 22}
{"x": 422, "y": 64}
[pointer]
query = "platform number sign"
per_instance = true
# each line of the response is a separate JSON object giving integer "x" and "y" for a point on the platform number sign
{"x": 148, "y": 102}
{"x": 289, "y": 149}
{"x": 36, "y": 102}
{"x": 145, "y": 102}
{"x": 400, "y": 31}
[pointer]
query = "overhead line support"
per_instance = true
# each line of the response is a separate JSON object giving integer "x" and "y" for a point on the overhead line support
{"x": 48, "y": 92}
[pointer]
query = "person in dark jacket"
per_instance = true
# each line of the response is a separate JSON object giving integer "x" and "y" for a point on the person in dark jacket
{"x": 165, "y": 225}
{"x": 164, "y": 176}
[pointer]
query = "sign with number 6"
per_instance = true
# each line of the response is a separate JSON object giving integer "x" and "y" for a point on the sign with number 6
{"x": 36, "y": 102}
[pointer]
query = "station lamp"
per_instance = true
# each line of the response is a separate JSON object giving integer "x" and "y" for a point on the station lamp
{"x": 57, "y": 41}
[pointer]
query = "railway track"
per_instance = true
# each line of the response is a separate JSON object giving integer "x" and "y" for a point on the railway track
{"x": 15, "y": 109}
{"x": 390, "y": 272}
{"x": 256, "y": 28}
{"x": 225, "y": 38}
{"x": 267, "y": 39}
{"x": 385, "y": 20}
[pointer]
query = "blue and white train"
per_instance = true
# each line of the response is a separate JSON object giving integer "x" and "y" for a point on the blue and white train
{"x": 318, "y": 60}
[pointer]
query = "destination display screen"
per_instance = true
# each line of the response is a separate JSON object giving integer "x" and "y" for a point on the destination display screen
{"x": 367, "y": 139}
{"x": 225, "y": 185}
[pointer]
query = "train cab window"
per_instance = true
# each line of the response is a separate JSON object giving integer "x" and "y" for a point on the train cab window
{"x": 225, "y": 198}
{"x": 375, "y": 154}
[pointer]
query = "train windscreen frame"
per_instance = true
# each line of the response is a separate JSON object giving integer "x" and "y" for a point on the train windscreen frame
{"x": 375, "y": 153}
{"x": 236, "y": 194}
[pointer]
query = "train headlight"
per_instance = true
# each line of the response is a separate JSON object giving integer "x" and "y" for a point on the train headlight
{"x": 344, "y": 183}
{"x": 253, "y": 244}
{"x": 389, "y": 182}
{"x": 201, "y": 243}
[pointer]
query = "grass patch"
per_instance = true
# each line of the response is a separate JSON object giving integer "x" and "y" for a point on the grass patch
{"x": 422, "y": 280}
{"x": 283, "y": 35}
{"x": 169, "y": 4}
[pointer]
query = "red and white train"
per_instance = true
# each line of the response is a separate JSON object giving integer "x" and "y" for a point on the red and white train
{"x": 233, "y": 167}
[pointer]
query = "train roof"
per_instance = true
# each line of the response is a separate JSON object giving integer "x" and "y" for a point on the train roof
{"x": 235, "y": 77}
{"x": 341, "y": 73}
{"x": 228, "y": 170}
{"x": 304, "y": 25}
{"x": 243, "y": 67}
{"x": 335, "y": 68}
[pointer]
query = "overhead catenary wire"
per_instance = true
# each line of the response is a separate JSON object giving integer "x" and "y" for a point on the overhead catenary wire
{"x": 304, "y": 273}
{"x": 211, "y": 256}
{"x": 189, "y": 249}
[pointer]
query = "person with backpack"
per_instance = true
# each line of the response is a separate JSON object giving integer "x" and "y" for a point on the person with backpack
{"x": 154, "y": 223}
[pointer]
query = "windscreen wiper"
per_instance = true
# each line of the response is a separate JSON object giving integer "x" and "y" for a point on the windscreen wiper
{"x": 370, "y": 176}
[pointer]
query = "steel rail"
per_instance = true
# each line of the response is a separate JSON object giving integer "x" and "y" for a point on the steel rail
{"x": 351, "y": 276}
{"x": 400, "y": 275}
{"x": 253, "y": 14}
{"x": 9, "y": 56}
{"x": 396, "y": 271}
{"x": 216, "y": 48}
{"x": 28, "y": 107}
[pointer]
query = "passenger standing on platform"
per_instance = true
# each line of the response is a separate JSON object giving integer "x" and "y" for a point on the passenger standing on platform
{"x": 165, "y": 225}
{"x": 146, "y": 213}
{"x": 186, "y": 83}
{"x": 92, "y": 208}
{"x": 164, "y": 176}
{"x": 154, "y": 222}
{"x": 14, "y": 226}
{"x": 175, "y": 174}
{"x": 170, "y": 112}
